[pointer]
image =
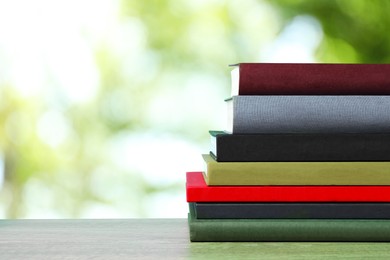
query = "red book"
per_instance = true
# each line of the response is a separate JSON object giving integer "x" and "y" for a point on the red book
{"x": 198, "y": 191}
{"x": 310, "y": 79}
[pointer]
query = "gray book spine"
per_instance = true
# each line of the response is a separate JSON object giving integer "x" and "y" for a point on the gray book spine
{"x": 309, "y": 114}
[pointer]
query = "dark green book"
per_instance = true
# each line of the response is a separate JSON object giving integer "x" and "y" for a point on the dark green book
{"x": 287, "y": 230}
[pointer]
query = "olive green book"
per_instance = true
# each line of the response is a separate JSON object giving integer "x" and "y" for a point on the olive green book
{"x": 296, "y": 173}
{"x": 287, "y": 230}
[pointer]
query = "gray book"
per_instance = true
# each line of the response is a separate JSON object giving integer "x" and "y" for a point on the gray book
{"x": 308, "y": 114}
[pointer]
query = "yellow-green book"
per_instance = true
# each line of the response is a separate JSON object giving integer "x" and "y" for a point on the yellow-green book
{"x": 296, "y": 173}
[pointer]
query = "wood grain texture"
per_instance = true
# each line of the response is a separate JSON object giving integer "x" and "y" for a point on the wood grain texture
{"x": 153, "y": 239}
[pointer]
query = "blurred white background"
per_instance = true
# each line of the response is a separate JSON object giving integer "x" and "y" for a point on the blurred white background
{"x": 104, "y": 105}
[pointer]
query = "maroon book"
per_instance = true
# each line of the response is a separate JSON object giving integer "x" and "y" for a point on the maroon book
{"x": 310, "y": 79}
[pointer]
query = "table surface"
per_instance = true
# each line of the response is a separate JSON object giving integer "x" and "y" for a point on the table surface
{"x": 153, "y": 239}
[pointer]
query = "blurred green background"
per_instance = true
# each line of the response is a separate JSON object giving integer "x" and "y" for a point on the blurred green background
{"x": 106, "y": 104}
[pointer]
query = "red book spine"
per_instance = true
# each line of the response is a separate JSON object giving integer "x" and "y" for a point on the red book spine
{"x": 313, "y": 79}
{"x": 198, "y": 191}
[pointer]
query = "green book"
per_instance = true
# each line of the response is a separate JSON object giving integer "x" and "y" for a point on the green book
{"x": 296, "y": 173}
{"x": 287, "y": 230}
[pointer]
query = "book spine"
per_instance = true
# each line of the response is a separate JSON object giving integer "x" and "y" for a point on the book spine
{"x": 299, "y": 147}
{"x": 313, "y": 79}
{"x": 274, "y": 230}
{"x": 198, "y": 191}
{"x": 296, "y": 173}
{"x": 310, "y": 114}
{"x": 271, "y": 210}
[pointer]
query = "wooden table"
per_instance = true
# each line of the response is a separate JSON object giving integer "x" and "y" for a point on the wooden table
{"x": 153, "y": 239}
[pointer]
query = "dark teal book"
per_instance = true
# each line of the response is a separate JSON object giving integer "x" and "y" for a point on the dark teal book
{"x": 291, "y": 210}
{"x": 287, "y": 230}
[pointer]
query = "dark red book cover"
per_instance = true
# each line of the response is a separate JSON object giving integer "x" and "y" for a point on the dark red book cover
{"x": 198, "y": 191}
{"x": 312, "y": 79}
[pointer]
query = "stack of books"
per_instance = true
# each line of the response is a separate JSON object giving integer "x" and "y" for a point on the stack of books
{"x": 305, "y": 157}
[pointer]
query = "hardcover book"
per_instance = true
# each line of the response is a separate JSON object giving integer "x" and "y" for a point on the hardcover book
{"x": 227, "y": 147}
{"x": 296, "y": 173}
{"x": 272, "y": 210}
{"x": 288, "y": 230}
{"x": 310, "y": 79}
{"x": 198, "y": 191}
{"x": 308, "y": 114}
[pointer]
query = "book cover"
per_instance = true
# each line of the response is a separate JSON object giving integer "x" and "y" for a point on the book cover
{"x": 227, "y": 147}
{"x": 310, "y": 79}
{"x": 296, "y": 173}
{"x": 308, "y": 114}
{"x": 288, "y": 230}
{"x": 294, "y": 210}
{"x": 198, "y": 191}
